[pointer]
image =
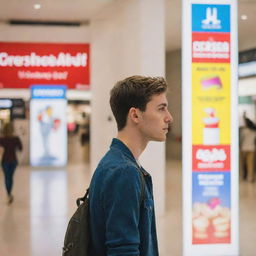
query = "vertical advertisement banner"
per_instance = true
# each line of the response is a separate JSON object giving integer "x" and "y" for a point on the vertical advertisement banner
{"x": 210, "y": 167}
{"x": 48, "y": 126}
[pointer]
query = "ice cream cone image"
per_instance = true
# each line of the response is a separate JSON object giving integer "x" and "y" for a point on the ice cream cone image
{"x": 211, "y": 130}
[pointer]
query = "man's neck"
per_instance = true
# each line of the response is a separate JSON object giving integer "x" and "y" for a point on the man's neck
{"x": 133, "y": 141}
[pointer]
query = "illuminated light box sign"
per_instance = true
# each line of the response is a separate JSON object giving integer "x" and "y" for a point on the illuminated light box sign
{"x": 17, "y": 107}
{"x": 210, "y": 128}
{"x": 5, "y": 103}
{"x": 247, "y": 63}
{"x": 23, "y": 64}
{"x": 247, "y": 69}
{"x": 48, "y": 126}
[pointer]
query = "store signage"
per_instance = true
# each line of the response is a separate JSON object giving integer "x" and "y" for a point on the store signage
{"x": 23, "y": 64}
{"x": 247, "y": 69}
{"x": 5, "y": 103}
{"x": 210, "y": 167}
{"x": 18, "y": 110}
{"x": 48, "y": 126}
{"x": 51, "y": 92}
{"x": 247, "y": 63}
{"x": 34, "y": 60}
{"x": 17, "y": 107}
{"x": 247, "y": 56}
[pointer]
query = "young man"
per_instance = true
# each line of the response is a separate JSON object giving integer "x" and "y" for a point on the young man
{"x": 121, "y": 224}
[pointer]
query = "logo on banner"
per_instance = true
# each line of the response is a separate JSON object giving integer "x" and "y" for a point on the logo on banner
{"x": 211, "y": 158}
{"x": 211, "y": 21}
{"x": 214, "y": 18}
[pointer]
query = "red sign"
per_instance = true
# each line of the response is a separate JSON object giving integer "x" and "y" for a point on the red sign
{"x": 211, "y": 47}
{"x": 211, "y": 158}
{"x": 24, "y": 64}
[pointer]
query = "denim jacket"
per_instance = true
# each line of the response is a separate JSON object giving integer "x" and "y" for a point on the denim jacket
{"x": 121, "y": 225}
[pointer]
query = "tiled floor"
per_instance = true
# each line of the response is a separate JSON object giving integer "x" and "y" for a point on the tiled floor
{"x": 35, "y": 223}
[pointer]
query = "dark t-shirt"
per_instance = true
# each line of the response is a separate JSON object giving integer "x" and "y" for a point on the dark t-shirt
{"x": 10, "y": 145}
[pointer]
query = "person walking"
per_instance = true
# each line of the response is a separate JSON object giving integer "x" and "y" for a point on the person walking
{"x": 247, "y": 147}
{"x": 10, "y": 144}
{"x": 120, "y": 223}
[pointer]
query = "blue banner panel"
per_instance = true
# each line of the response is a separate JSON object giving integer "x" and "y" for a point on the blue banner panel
{"x": 211, "y": 208}
{"x": 48, "y": 92}
{"x": 210, "y": 18}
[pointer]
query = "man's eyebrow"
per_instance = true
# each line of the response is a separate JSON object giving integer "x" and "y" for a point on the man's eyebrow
{"x": 163, "y": 105}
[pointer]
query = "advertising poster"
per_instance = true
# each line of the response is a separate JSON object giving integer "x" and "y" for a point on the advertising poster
{"x": 210, "y": 124}
{"x": 210, "y": 103}
{"x": 48, "y": 126}
{"x": 211, "y": 207}
{"x": 44, "y": 63}
{"x": 210, "y": 167}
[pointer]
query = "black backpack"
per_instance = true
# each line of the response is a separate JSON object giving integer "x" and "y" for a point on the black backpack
{"x": 77, "y": 237}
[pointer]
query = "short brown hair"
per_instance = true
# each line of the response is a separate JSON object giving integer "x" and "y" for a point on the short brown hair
{"x": 134, "y": 91}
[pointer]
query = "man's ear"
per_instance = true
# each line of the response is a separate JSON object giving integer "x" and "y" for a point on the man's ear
{"x": 134, "y": 115}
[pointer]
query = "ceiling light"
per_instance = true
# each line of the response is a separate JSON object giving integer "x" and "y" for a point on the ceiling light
{"x": 37, "y": 6}
{"x": 244, "y": 17}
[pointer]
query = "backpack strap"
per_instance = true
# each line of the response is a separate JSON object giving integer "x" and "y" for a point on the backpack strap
{"x": 142, "y": 195}
{"x": 78, "y": 200}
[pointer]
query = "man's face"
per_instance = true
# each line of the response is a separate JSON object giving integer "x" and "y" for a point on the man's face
{"x": 154, "y": 122}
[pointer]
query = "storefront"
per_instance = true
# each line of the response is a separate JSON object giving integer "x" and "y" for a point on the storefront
{"x": 50, "y": 65}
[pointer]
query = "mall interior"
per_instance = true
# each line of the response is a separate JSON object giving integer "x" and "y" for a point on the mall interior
{"x": 119, "y": 38}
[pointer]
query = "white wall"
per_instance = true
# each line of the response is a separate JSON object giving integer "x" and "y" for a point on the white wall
{"x": 12, "y": 33}
{"x": 127, "y": 39}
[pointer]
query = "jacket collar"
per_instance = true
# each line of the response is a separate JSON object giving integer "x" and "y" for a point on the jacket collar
{"x": 119, "y": 145}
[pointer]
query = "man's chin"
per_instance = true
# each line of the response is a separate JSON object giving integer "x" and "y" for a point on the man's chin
{"x": 159, "y": 139}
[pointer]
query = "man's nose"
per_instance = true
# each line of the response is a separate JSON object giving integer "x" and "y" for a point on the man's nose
{"x": 169, "y": 118}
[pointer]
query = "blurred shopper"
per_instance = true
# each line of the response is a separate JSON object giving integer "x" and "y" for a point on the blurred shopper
{"x": 121, "y": 224}
{"x": 10, "y": 144}
{"x": 247, "y": 147}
